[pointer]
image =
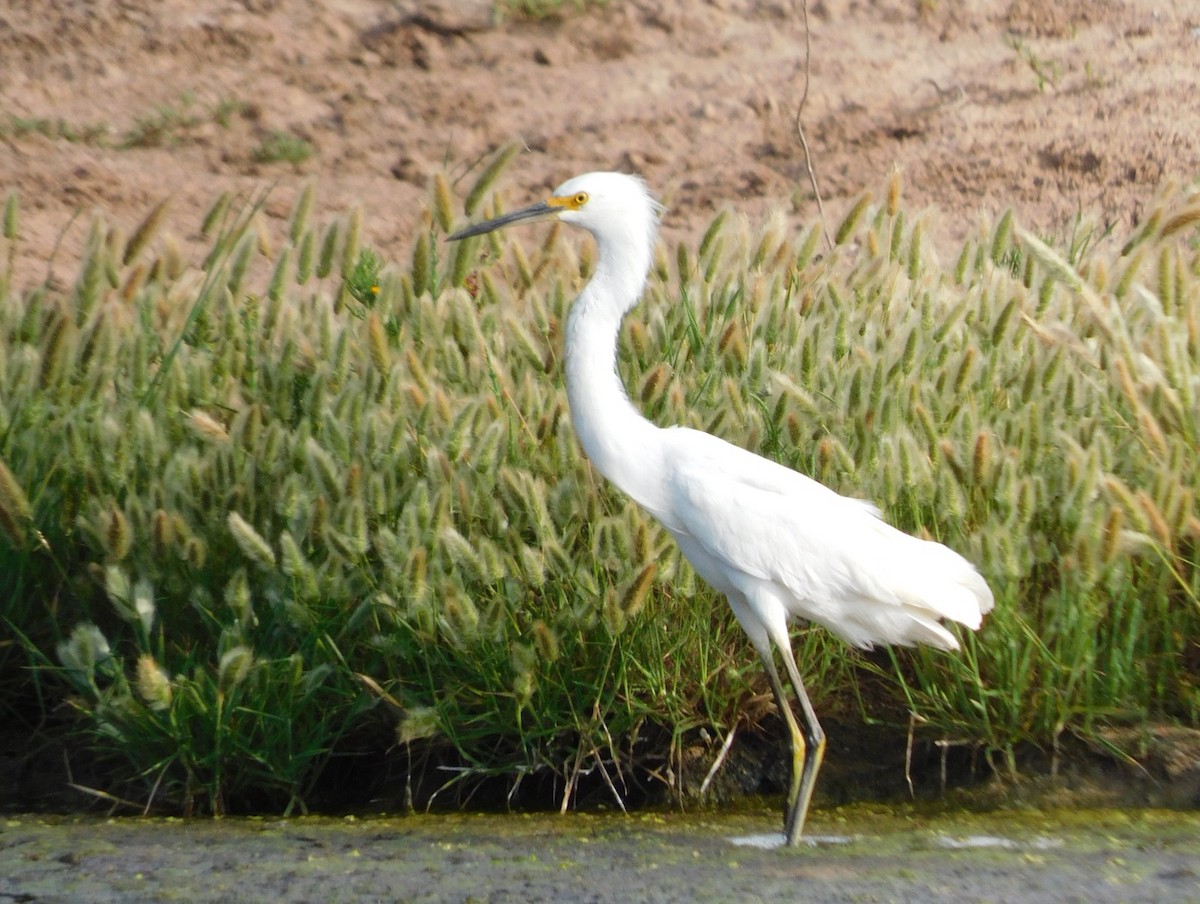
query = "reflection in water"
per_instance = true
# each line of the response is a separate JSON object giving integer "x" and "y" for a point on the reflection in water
{"x": 776, "y": 839}
{"x": 1039, "y": 843}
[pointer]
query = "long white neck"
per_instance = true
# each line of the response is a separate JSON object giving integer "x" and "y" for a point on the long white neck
{"x": 621, "y": 443}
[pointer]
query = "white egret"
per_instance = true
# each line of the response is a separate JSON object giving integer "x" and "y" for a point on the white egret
{"x": 777, "y": 544}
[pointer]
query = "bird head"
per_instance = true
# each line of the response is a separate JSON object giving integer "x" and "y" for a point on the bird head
{"x": 614, "y": 207}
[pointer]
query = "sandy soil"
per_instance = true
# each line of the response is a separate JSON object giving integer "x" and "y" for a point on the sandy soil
{"x": 1051, "y": 107}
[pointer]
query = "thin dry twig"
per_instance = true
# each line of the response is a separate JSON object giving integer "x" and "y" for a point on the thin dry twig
{"x": 109, "y": 798}
{"x": 607, "y": 778}
{"x": 719, "y": 760}
{"x": 812, "y": 176}
{"x": 908, "y": 752}
{"x": 570, "y": 786}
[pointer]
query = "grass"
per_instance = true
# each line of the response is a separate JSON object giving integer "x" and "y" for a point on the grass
{"x": 313, "y": 503}
{"x": 1046, "y": 72}
{"x": 542, "y": 9}
{"x": 227, "y": 109}
{"x": 17, "y": 127}
{"x": 166, "y": 125}
{"x": 282, "y": 147}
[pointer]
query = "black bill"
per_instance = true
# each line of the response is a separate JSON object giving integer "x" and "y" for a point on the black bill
{"x": 533, "y": 211}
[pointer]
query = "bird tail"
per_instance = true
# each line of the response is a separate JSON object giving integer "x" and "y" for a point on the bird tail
{"x": 947, "y": 587}
{"x": 927, "y": 583}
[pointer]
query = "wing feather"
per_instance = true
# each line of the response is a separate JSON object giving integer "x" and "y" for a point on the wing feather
{"x": 832, "y": 559}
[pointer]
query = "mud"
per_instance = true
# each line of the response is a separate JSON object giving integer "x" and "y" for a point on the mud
{"x": 859, "y": 853}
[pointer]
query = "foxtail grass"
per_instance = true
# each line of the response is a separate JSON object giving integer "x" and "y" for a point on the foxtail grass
{"x": 304, "y": 489}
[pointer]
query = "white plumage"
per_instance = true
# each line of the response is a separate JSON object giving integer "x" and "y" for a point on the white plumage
{"x": 778, "y": 544}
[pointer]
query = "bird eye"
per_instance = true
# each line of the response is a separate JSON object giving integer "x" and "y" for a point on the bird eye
{"x": 579, "y": 200}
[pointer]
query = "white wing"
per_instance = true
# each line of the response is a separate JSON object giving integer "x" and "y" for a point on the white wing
{"x": 752, "y": 523}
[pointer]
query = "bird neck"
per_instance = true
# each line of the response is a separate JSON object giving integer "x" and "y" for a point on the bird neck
{"x": 618, "y": 440}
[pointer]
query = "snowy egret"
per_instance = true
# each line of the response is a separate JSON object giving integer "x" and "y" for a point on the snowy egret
{"x": 777, "y": 544}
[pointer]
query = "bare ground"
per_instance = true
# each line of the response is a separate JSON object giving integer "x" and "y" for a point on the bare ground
{"x": 1053, "y": 108}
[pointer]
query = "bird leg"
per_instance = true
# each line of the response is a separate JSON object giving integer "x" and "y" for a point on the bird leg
{"x": 807, "y": 744}
{"x": 815, "y": 737}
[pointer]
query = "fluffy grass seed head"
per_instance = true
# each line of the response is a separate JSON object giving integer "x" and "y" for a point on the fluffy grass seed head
{"x": 709, "y": 241}
{"x": 84, "y": 650}
{"x": 15, "y": 511}
{"x": 216, "y": 214}
{"x": 143, "y": 603}
{"x": 613, "y": 616}
{"x": 1110, "y": 546}
{"x": 966, "y": 369}
{"x": 1152, "y": 432}
{"x": 207, "y": 427}
{"x": 153, "y": 684}
{"x": 636, "y": 594}
{"x": 1189, "y": 216}
{"x": 352, "y": 243}
{"x": 733, "y": 342}
{"x": 1154, "y": 517}
{"x": 250, "y": 542}
{"x": 422, "y": 265}
{"x": 1002, "y": 237}
{"x": 305, "y": 258}
{"x": 11, "y": 216}
{"x": 417, "y": 569}
{"x": 850, "y": 223}
{"x": 301, "y": 212}
{"x": 134, "y": 601}
{"x": 135, "y": 279}
{"x": 60, "y": 348}
{"x": 195, "y": 551}
{"x": 378, "y": 344}
{"x": 323, "y": 467}
{"x": 461, "y": 622}
{"x": 328, "y": 246}
{"x": 545, "y": 641}
{"x": 443, "y": 202}
{"x": 279, "y": 277}
{"x": 145, "y": 232}
{"x": 239, "y": 264}
{"x": 897, "y": 238}
{"x": 118, "y": 535}
{"x": 162, "y": 532}
{"x": 234, "y": 668}
{"x": 533, "y": 565}
{"x": 981, "y": 458}
{"x": 237, "y": 596}
{"x": 298, "y": 568}
{"x": 262, "y": 236}
{"x": 826, "y": 454}
{"x": 654, "y": 384}
{"x": 895, "y": 185}
{"x": 914, "y": 249}
{"x": 488, "y": 177}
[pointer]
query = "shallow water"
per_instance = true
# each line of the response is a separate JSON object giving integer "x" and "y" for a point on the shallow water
{"x": 861, "y": 853}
